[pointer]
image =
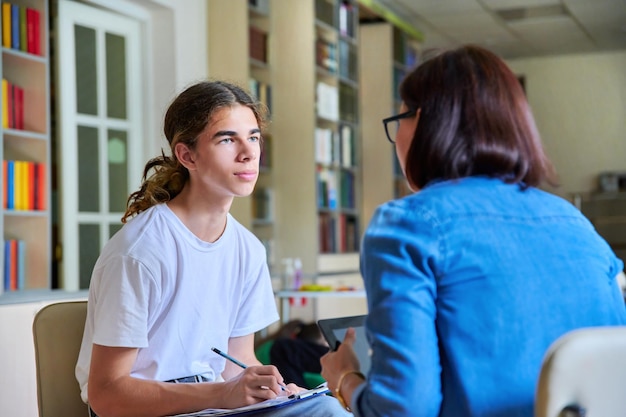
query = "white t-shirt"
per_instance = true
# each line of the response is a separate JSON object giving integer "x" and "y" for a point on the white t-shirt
{"x": 159, "y": 288}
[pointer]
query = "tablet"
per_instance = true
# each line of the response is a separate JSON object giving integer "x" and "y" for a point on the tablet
{"x": 334, "y": 331}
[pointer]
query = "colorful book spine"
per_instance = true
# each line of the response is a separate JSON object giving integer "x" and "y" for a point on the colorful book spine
{"x": 6, "y": 25}
{"x": 14, "y": 274}
{"x": 5, "y": 103}
{"x": 15, "y": 26}
{"x": 25, "y": 185}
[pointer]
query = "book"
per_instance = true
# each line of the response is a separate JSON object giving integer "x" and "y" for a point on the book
{"x": 7, "y": 265}
{"x": 21, "y": 265}
{"x": 277, "y": 402}
{"x": 15, "y": 26}
{"x": 10, "y": 184}
{"x": 23, "y": 38}
{"x": 30, "y": 30}
{"x": 5, "y": 103}
{"x": 6, "y": 25}
{"x": 5, "y": 189}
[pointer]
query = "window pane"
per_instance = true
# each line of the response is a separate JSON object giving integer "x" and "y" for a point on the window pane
{"x": 86, "y": 73}
{"x": 89, "y": 249}
{"x": 88, "y": 177}
{"x": 114, "y": 228}
{"x": 118, "y": 169}
{"x": 116, "y": 76}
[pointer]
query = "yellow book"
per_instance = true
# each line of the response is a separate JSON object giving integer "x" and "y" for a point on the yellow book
{"x": 6, "y": 25}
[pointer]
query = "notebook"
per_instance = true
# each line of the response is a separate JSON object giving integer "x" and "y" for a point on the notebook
{"x": 264, "y": 405}
{"x": 334, "y": 331}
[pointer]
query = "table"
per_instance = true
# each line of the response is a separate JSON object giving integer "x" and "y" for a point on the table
{"x": 285, "y": 295}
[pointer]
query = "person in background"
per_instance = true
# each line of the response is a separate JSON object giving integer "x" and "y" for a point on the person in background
{"x": 470, "y": 278}
{"x": 295, "y": 349}
{"x": 183, "y": 276}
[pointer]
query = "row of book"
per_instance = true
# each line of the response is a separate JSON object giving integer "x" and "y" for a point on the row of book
{"x": 333, "y": 193}
{"x": 327, "y": 101}
{"x": 262, "y": 204}
{"x": 12, "y": 105}
{"x": 258, "y": 44}
{"x": 326, "y": 55}
{"x": 261, "y": 91}
{"x": 24, "y": 185}
{"x": 338, "y": 234}
{"x": 335, "y": 147}
{"x": 265, "y": 161}
{"x": 347, "y": 18}
{"x": 14, "y": 264}
{"x": 21, "y": 28}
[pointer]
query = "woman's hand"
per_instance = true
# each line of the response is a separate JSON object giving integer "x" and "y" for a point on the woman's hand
{"x": 344, "y": 359}
{"x": 255, "y": 384}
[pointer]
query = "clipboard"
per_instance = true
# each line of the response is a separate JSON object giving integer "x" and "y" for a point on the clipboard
{"x": 277, "y": 402}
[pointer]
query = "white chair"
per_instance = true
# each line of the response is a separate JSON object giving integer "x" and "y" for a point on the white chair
{"x": 584, "y": 374}
{"x": 58, "y": 332}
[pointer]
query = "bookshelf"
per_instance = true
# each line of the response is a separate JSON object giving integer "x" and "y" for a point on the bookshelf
{"x": 337, "y": 126}
{"x": 260, "y": 85}
{"x": 285, "y": 210}
{"x": 316, "y": 125}
{"x": 25, "y": 137}
{"x": 405, "y": 57}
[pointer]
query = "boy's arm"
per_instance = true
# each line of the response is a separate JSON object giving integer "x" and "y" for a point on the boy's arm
{"x": 113, "y": 392}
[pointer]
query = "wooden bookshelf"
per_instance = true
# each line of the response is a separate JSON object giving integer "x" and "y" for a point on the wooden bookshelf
{"x": 25, "y": 137}
{"x": 316, "y": 120}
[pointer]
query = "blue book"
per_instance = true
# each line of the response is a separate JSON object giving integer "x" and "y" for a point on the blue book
{"x": 21, "y": 264}
{"x": 7, "y": 265}
{"x": 10, "y": 185}
{"x": 15, "y": 26}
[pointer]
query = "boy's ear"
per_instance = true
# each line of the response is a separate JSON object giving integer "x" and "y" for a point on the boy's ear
{"x": 184, "y": 156}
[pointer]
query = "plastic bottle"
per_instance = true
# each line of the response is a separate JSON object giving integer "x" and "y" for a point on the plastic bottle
{"x": 288, "y": 273}
{"x": 297, "y": 274}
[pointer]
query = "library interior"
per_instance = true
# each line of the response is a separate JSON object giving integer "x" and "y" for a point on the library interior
{"x": 85, "y": 85}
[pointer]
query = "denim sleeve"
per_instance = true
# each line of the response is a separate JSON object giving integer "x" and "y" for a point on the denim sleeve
{"x": 400, "y": 257}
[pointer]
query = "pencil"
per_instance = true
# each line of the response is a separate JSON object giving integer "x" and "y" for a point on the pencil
{"x": 236, "y": 362}
{"x": 230, "y": 358}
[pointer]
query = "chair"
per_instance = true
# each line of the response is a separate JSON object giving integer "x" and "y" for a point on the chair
{"x": 57, "y": 332}
{"x": 584, "y": 374}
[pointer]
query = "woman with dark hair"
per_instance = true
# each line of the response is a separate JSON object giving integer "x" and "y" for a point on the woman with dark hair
{"x": 183, "y": 276}
{"x": 472, "y": 277}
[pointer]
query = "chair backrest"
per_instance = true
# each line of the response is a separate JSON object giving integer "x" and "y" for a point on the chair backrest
{"x": 58, "y": 332}
{"x": 584, "y": 374}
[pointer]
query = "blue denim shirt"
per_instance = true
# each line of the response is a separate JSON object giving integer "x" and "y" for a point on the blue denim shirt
{"x": 468, "y": 282}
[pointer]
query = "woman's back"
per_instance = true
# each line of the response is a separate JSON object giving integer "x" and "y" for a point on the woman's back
{"x": 502, "y": 271}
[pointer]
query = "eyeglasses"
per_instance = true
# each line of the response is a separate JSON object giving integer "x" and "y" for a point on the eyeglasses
{"x": 392, "y": 123}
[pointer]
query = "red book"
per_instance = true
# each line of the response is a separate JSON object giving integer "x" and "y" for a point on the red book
{"x": 11, "y": 104}
{"x": 30, "y": 30}
{"x": 13, "y": 277}
{"x": 40, "y": 173}
{"x": 37, "y": 19}
{"x": 19, "y": 107}
{"x": 30, "y": 166}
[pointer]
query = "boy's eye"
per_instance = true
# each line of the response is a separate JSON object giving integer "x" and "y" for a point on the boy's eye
{"x": 254, "y": 138}
{"x": 227, "y": 140}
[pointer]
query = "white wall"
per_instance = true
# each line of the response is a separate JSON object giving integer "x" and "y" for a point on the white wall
{"x": 579, "y": 102}
{"x": 178, "y": 42}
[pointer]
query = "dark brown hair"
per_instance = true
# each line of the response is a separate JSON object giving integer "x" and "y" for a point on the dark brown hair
{"x": 474, "y": 120}
{"x": 187, "y": 116}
